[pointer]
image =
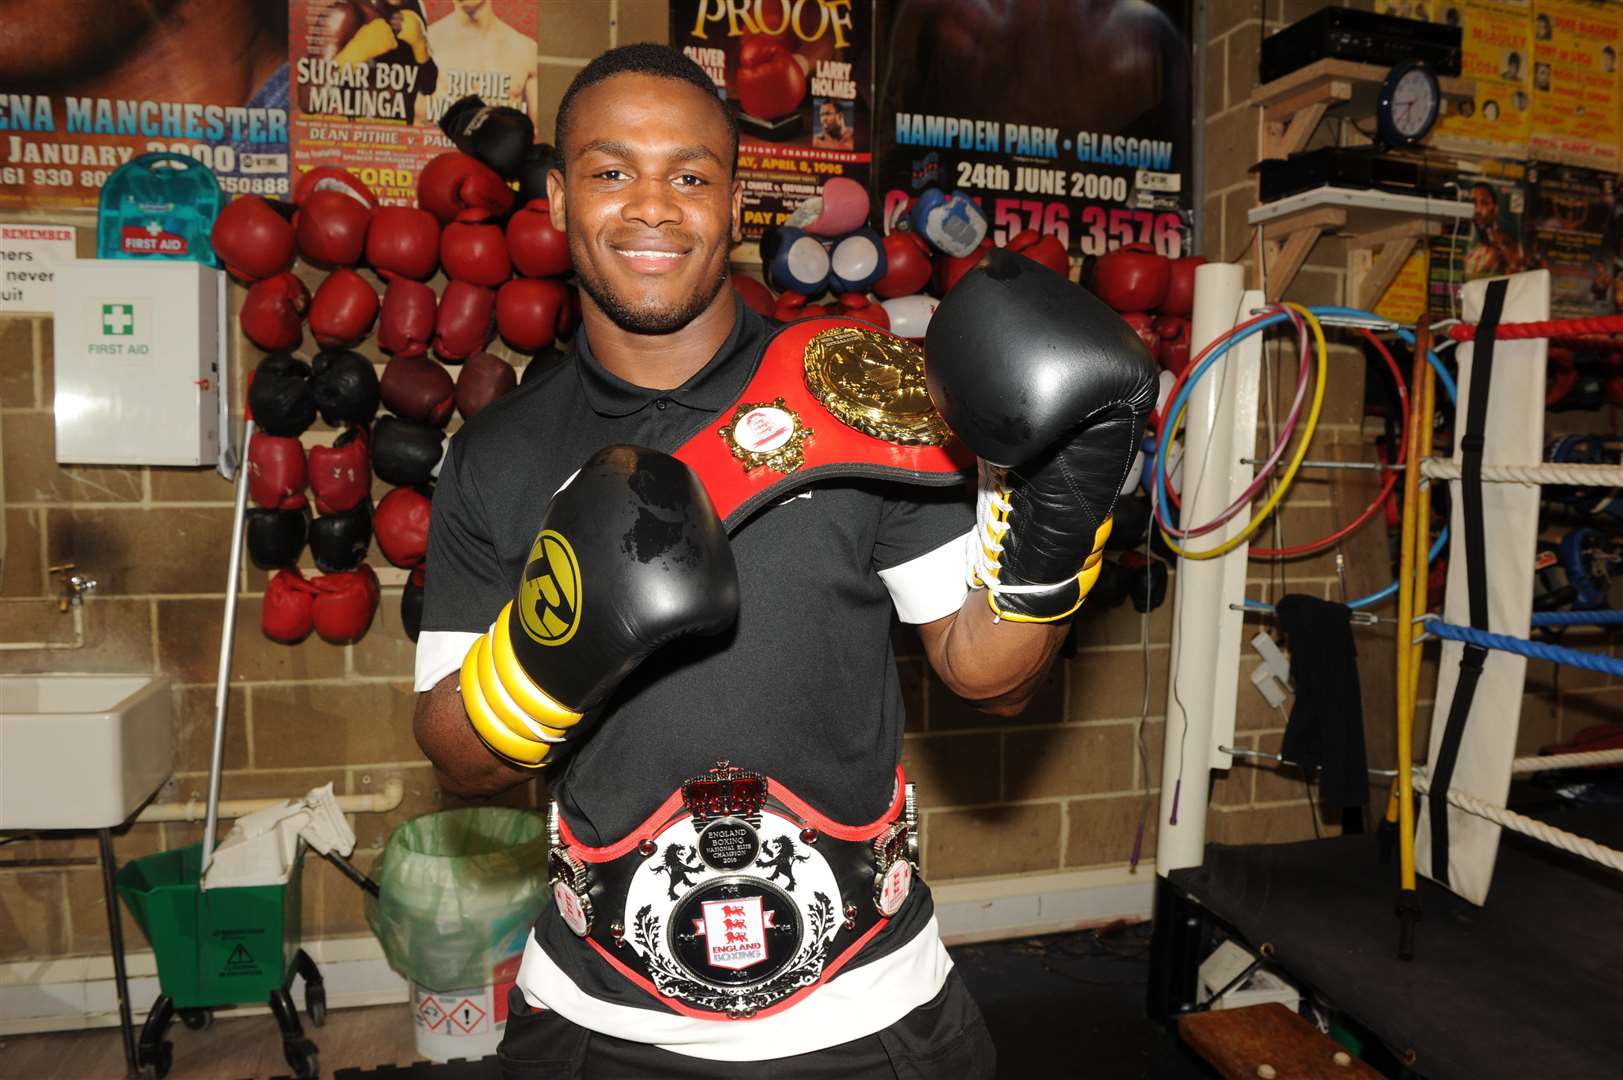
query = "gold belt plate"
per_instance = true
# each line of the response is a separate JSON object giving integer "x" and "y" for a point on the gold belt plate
{"x": 874, "y": 383}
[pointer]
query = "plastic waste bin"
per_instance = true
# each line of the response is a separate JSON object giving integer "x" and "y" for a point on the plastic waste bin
{"x": 457, "y": 892}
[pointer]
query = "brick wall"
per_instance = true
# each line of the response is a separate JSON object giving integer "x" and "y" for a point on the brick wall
{"x": 1059, "y": 787}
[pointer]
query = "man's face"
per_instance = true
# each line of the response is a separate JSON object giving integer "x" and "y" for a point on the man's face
{"x": 45, "y": 42}
{"x": 1486, "y": 209}
{"x": 651, "y": 205}
{"x": 829, "y": 114}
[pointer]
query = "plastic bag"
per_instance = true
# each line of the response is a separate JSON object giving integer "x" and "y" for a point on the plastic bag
{"x": 454, "y": 889}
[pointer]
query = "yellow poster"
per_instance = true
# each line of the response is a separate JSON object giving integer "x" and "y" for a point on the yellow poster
{"x": 1405, "y": 299}
{"x": 1497, "y": 42}
{"x": 1575, "y": 93}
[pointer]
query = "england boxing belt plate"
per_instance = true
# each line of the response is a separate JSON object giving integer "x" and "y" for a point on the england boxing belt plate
{"x": 734, "y": 896}
{"x": 829, "y": 398}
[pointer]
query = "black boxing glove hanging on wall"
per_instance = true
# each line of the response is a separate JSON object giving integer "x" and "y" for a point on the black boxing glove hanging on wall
{"x": 1050, "y": 389}
{"x": 498, "y": 135}
{"x": 630, "y": 556}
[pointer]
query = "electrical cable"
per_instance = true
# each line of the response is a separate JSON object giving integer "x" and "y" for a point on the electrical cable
{"x": 1387, "y": 485}
{"x": 1218, "y": 347}
{"x": 1176, "y": 411}
{"x": 1280, "y": 444}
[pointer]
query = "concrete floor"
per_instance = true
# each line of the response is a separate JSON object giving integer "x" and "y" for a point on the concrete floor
{"x": 1067, "y": 1005}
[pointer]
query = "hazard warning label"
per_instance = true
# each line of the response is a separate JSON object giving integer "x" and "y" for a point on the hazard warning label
{"x": 453, "y": 1014}
{"x": 430, "y": 1014}
{"x": 468, "y": 1018}
{"x": 240, "y": 962}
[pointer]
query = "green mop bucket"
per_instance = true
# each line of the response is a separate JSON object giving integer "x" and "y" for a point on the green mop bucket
{"x": 217, "y": 946}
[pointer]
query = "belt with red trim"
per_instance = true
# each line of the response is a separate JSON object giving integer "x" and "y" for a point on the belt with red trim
{"x": 735, "y": 898}
{"x": 828, "y": 398}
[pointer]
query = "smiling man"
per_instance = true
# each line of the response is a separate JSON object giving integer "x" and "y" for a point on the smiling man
{"x": 720, "y": 715}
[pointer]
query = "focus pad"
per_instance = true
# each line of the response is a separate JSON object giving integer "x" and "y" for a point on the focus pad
{"x": 630, "y": 555}
{"x": 1016, "y": 356}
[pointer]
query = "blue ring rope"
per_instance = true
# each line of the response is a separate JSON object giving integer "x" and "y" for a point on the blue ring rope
{"x": 1537, "y": 650}
{"x": 1602, "y": 617}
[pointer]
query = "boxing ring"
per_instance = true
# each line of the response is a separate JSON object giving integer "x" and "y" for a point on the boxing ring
{"x": 1529, "y": 983}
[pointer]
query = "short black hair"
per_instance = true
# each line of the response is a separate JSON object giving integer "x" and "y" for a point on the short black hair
{"x": 643, "y": 58}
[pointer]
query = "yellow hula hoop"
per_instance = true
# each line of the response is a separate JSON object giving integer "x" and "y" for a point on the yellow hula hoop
{"x": 1297, "y": 456}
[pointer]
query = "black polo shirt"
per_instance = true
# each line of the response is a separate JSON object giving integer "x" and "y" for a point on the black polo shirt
{"x": 804, "y": 687}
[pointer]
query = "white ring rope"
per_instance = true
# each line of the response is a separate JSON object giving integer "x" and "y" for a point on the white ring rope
{"x": 1538, "y": 830}
{"x": 1547, "y": 473}
{"x": 1547, "y": 762}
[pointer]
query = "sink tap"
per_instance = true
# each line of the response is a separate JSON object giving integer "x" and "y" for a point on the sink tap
{"x": 74, "y": 586}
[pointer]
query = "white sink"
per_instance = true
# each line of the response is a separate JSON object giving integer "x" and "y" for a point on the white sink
{"x": 82, "y": 751}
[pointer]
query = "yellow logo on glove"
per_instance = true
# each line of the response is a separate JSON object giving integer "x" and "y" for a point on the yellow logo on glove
{"x": 549, "y": 596}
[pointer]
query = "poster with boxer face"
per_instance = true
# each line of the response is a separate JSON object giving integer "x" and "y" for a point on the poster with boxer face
{"x": 86, "y": 85}
{"x": 1072, "y": 120}
{"x": 371, "y": 79}
{"x": 1496, "y": 54}
{"x": 1575, "y": 82}
{"x": 1488, "y": 244}
{"x": 796, "y": 74}
{"x": 1569, "y": 212}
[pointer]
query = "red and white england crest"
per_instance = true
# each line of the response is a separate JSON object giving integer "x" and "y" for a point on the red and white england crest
{"x": 734, "y": 932}
{"x": 572, "y": 908}
{"x": 894, "y": 885}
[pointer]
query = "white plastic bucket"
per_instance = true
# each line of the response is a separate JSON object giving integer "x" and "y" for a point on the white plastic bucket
{"x": 469, "y": 1023}
{"x": 457, "y": 1023}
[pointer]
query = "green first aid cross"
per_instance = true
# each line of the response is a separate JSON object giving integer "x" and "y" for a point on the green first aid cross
{"x": 118, "y": 320}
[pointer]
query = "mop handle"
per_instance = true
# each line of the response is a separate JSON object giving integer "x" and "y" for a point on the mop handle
{"x": 227, "y": 634}
{"x": 350, "y": 871}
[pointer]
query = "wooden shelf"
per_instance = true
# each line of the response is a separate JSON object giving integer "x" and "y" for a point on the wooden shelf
{"x": 1382, "y": 230}
{"x": 1293, "y": 104}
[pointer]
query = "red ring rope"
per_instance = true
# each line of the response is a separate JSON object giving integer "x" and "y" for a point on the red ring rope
{"x": 1599, "y": 324}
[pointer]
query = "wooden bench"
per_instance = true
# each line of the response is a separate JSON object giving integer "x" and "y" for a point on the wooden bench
{"x": 1268, "y": 1042}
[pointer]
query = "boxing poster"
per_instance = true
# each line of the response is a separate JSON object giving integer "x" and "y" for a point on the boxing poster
{"x": 1487, "y": 244}
{"x": 1569, "y": 214}
{"x": 1497, "y": 51}
{"x": 1575, "y": 87}
{"x": 797, "y": 75}
{"x": 1068, "y": 119}
{"x": 371, "y": 79}
{"x": 86, "y": 87}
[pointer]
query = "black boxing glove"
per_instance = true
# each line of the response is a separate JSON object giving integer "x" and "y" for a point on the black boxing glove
{"x": 345, "y": 386}
{"x": 630, "y": 556}
{"x": 1146, "y": 581}
{"x": 1129, "y": 523}
{"x": 339, "y": 541}
{"x": 539, "y": 159}
{"x": 280, "y": 397}
{"x": 276, "y": 537}
{"x": 406, "y": 453}
{"x": 411, "y": 603}
{"x": 1050, "y": 389}
{"x": 498, "y": 135}
{"x": 1110, "y": 590}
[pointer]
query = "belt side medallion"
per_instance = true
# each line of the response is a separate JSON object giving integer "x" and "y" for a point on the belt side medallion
{"x": 874, "y": 383}
{"x": 767, "y": 433}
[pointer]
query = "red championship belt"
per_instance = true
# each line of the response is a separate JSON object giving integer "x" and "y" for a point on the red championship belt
{"x": 830, "y": 397}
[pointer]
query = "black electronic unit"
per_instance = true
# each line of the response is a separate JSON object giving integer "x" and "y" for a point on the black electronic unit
{"x": 1362, "y": 168}
{"x": 1360, "y": 36}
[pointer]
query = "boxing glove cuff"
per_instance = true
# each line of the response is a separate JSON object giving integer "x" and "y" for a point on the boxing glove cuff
{"x": 518, "y": 750}
{"x": 515, "y": 717}
{"x": 1009, "y": 593}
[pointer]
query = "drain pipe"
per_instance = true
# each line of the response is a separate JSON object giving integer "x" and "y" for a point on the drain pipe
{"x": 195, "y": 809}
